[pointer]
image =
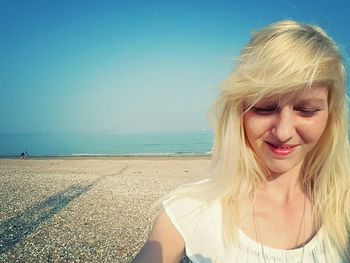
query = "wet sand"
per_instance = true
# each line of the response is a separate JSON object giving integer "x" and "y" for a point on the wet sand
{"x": 91, "y": 209}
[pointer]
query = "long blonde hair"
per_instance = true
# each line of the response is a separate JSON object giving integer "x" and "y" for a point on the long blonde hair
{"x": 284, "y": 56}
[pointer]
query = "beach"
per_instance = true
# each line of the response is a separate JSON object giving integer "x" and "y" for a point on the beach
{"x": 84, "y": 209}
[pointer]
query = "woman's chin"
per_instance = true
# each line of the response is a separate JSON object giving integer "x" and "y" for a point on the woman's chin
{"x": 277, "y": 169}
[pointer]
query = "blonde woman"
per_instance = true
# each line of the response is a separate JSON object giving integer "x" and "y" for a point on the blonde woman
{"x": 280, "y": 190}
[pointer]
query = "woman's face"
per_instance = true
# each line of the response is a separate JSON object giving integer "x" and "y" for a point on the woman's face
{"x": 283, "y": 129}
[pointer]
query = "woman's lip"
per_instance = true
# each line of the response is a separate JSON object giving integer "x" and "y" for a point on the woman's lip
{"x": 281, "y": 150}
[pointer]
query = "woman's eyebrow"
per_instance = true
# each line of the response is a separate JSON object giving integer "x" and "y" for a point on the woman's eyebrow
{"x": 319, "y": 102}
{"x": 268, "y": 101}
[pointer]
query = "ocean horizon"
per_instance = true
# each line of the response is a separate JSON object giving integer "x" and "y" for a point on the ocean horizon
{"x": 107, "y": 144}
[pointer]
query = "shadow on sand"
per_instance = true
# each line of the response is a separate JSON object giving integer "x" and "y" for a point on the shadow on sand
{"x": 24, "y": 223}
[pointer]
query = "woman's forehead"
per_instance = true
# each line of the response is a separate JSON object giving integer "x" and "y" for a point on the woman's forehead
{"x": 317, "y": 94}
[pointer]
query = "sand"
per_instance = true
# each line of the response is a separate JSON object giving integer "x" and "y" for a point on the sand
{"x": 84, "y": 209}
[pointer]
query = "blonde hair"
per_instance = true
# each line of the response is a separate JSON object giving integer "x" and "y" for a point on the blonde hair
{"x": 283, "y": 57}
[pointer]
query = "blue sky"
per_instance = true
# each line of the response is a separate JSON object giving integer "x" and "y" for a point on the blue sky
{"x": 130, "y": 66}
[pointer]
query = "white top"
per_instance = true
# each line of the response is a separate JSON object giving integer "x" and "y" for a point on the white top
{"x": 200, "y": 226}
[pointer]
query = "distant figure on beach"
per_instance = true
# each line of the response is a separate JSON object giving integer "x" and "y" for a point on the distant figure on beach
{"x": 24, "y": 155}
{"x": 280, "y": 189}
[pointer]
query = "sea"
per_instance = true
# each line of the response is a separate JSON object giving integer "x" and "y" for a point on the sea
{"x": 91, "y": 144}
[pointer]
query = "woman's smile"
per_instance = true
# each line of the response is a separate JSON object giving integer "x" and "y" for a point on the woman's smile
{"x": 282, "y": 150}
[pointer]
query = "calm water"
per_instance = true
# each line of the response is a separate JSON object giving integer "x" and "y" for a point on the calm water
{"x": 67, "y": 144}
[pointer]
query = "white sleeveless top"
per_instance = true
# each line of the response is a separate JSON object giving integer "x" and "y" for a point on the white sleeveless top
{"x": 200, "y": 226}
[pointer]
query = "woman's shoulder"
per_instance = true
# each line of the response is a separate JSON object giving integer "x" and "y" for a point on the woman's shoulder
{"x": 187, "y": 204}
{"x": 199, "y": 223}
{"x": 164, "y": 243}
{"x": 183, "y": 211}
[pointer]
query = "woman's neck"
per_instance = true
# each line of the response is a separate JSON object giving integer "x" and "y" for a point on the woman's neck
{"x": 283, "y": 188}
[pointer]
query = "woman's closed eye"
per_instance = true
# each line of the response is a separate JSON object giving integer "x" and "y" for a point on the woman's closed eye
{"x": 302, "y": 111}
{"x": 306, "y": 111}
{"x": 265, "y": 110}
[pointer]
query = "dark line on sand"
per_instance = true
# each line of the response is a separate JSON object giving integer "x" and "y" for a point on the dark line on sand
{"x": 14, "y": 229}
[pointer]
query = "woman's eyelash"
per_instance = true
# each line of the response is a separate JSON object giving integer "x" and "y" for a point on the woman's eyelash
{"x": 307, "y": 111}
{"x": 265, "y": 110}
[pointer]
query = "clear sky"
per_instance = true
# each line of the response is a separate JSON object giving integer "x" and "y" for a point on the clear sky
{"x": 129, "y": 65}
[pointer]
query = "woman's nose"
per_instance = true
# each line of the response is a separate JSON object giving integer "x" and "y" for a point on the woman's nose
{"x": 284, "y": 125}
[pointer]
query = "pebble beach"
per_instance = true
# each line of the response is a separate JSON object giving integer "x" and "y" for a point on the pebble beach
{"x": 82, "y": 209}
